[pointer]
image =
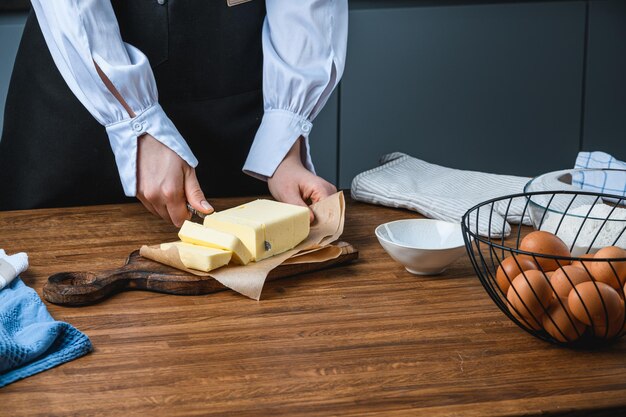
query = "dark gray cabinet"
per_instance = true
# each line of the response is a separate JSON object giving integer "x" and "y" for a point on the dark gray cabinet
{"x": 323, "y": 140}
{"x": 605, "y": 92}
{"x": 492, "y": 87}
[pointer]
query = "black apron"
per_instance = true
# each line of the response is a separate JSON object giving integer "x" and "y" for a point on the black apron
{"x": 207, "y": 61}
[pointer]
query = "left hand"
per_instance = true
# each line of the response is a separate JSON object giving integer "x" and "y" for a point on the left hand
{"x": 294, "y": 184}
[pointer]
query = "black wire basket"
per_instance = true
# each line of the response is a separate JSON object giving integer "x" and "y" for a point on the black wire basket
{"x": 563, "y": 298}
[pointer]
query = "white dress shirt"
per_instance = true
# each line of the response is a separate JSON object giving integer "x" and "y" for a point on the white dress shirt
{"x": 304, "y": 48}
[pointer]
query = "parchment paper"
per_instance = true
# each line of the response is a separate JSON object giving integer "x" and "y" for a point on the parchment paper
{"x": 249, "y": 279}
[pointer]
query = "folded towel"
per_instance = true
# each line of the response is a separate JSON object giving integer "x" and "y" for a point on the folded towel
{"x": 439, "y": 192}
{"x": 31, "y": 341}
{"x": 11, "y": 266}
{"x": 600, "y": 182}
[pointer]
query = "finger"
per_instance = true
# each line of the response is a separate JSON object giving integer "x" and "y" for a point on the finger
{"x": 323, "y": 191}
{"x": 194, "y": 193}
{"x": 178, "y": 212}
{"x": 147, "y": 205}
{"x": 174, "y": 203}
{"x": 330, "y": 189}
{"x": 319, "y": 190}
{"x": 293, "y": 195}
{"x": 162, "y": 212}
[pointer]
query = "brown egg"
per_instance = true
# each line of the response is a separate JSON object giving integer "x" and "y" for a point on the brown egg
{"x": 623, "y": 330}
{"x": 561, "y": 324}
{"x": 510, "y": 268}
{"x": 530, "y": 294}
{"x": 614, "y": 328}
{"x": 579, "y": 264}
{"x": 602, "y": 271}
{"x": 563, "y": 278}
{"x": 545, "y": 243}
{"x": 595, "y": 303}
{"x": 528, "y": 322}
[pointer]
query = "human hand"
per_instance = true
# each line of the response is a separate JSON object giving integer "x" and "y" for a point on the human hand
{"x": 165, "y": 182}
{"x": 293, "y": 183}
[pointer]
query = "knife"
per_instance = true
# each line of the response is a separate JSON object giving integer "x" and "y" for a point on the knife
{"x": 195, "y": 212}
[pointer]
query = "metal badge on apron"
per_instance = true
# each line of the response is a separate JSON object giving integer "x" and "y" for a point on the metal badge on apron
{"x": 232, "y": 3}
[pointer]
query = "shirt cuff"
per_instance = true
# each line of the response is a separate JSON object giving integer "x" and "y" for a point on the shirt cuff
{"x": 123, "y": 138}
{"x": 278, "y": 132}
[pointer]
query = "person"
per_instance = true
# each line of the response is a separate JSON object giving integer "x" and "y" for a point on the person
{"x": 235, "y": 83}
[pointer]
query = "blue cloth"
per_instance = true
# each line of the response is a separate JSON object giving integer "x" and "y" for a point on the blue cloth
{"x": 31, "y": 341}
{"x": 611, "y": 182}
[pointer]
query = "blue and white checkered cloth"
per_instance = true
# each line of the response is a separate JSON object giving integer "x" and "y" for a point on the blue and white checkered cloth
{"x": 597, "y": 181}
{"x": 31, "y": 341}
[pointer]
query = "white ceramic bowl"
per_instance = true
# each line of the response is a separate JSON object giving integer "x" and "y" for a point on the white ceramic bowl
{"x": 422, "y": 246}
{"x": 585, "y": 223}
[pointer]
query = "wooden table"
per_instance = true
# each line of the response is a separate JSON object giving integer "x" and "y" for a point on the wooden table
{"x": 358, "y": 340}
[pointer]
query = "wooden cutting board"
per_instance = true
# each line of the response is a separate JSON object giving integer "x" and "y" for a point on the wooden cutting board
{"x": 139, "y": 273}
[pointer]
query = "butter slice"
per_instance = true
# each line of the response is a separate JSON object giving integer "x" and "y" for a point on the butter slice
{"x": 201, "y": 258}
{"x": 265, "y": 227}
{"x": 199, "y": 235}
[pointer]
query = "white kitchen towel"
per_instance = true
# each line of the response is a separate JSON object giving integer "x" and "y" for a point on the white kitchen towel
{"x": 441, "y": 193}
{"x": 11, "y": 266}
{"x": 598, "y": 181}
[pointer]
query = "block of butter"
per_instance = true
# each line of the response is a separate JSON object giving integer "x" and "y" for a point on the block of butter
{"x": 198, "y": 257}
{"x": 265, "y": 227}
{"x": 199, "y": 235}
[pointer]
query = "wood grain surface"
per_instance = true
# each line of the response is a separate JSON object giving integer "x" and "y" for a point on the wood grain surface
{"x": 360, "y": 340}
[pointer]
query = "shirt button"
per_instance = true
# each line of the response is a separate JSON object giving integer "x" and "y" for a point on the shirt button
{"x": 306, "y": 127}
{"x": 137, "y": 127}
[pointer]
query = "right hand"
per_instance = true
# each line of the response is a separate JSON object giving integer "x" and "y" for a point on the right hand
{"x": 165, "y": 182}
